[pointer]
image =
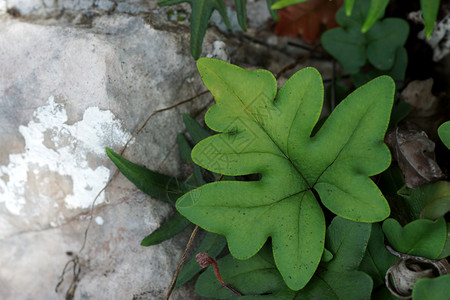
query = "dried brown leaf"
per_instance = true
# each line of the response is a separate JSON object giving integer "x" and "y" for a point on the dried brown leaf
{"x": 306, "y": 18}
{"x": 414, "y": 152}
{"x": 427, "y": 110}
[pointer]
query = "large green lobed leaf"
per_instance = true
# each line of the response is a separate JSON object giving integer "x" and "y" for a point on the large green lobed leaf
{"x": 273, "y": 138}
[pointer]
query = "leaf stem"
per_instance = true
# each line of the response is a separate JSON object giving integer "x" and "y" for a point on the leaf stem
{"x": 204, "y": 260}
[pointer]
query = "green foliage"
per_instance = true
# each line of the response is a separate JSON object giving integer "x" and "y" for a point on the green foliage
{"x": 213, "y": 244}
{"x": 444, "y": 133}
{"x": 201, "y": 11}
{"x": 258, "y": 135}
{"x": 283, "y": 3}
{"x": 430, "y": 10}
{"x": 420, "y": 238}
{"x": 432, "y": 288}
{"x": 429, "y": 201}
{"x": 379, "y": 46}
{"x": 176, "y": 224}
{"x": 258, "y": 278}
{"x": 348, "y": 4}
{"x": 241, "y": 12}
{"x": 375, "y": 12}
{"x": 377, "y": 260}
{"x": 200, "y": 14}
{"x": 340, "y": 278}
{"x": 157, "y": 185}
{"x": 255, "y": 276}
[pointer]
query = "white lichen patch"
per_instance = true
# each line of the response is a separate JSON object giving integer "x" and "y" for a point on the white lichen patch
{"x": 54, "y": 147}
{"x": 99, "y": 220}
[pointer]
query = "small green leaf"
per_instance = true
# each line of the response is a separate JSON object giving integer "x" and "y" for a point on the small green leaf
{"x": 352, "y": 48}
{"x": 429, "y": 201}
{"x": 185, "y": 149}
{"x": 213, "y": 244}
{"x": 430, "y": 10}
{"x": 185, "y": 153}
{"x": 444, "y": 133}
{"x": 432, "y": 288}
{"x": 157, "y": 185}
{"x": 283, "y": 3}
{"x": 354, "y": 285}
{"x": 258, "y": 135}
{"x": 383, "y": 39}
{"x": 377, "y": 260}
{"x": 349, "y": 6}
{"x": 347, "y": 46}
{"x": 200, "y": 14}
{"x": 397, "y": 72}
{"x": 195, "y": 130}
{"x": 272, "y": 12}
{"x": 376, "y": 11}
{"x": 255, "y": 276}
{"x": 420, "y": 238}
{"x": 326, "y": 256}
{"x": 347, "y": 240}
{"x": 241, "y": 12}
{"x": 446, "y": 251}
{"x": 176, "y": 224}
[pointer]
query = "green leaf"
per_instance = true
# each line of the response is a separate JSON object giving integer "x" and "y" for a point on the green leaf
{"x": 241, "y": 12}
{"x": 446, "y": 251}
{"x": 273, "y": 139}
{"x": 347, "y": 46}
{"x": 332, "y": 285}
{"x": 420, "y": 238}
{"x": 195, "y": 130}
{"x": 283, "y": 3}
{"x": 273, "y": 12}
{"x": 326, "y": 256}
{"x": 185, "y": 153}
{"x": 213, "y": 244}
{"x": 176, "y": 224}
{"x": 201, "y": 11}
{"x": 352, "y": 48}
{"x": 185, "y": 149}
{"x": 255, "y": 276}
{"x": 377, "y": 260}
{"x": 397, "y": 72}
{"x": 376, "y": 11}
{"x": 347, "y": 240}
{"x": 262, "y": 281}
{"x": 349, "y": 6}
{"x": 444, "y": 133}
{"x": 157, "y": 185}
{"x": 382, "y": 293}
{"x": 429, "y": 201}
{"x": 432, "y": 288}
{"x": 383, "y": 39}
{"x": 430, "y": 10}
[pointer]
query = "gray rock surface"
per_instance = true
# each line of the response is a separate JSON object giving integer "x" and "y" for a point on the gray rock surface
{"x": 78, "y": 76}
{"x": 65, "y": 94}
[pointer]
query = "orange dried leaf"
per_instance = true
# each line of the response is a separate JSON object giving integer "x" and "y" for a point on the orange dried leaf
{"x": 307, "y": 18}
